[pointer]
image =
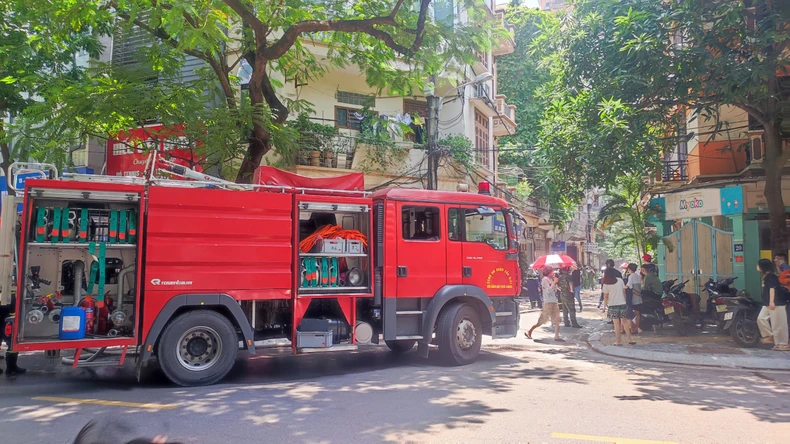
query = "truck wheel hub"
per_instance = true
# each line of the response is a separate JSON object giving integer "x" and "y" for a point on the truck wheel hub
{"x": 198, "y": 348}
{"x": 466, "y": 334}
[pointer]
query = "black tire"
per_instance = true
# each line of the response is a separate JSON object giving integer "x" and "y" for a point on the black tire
{"x": 194, "y": 332}
{"x": 459, "y": 344}
{"x": 680, "y": 325}
{"x": 745, "y": 332}
{"x": 401, "y": 346}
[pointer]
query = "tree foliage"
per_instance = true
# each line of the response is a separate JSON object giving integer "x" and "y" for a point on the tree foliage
{"x": 39, "y": 43}
{"x": 396, "y": 44}
{"x": 520, "y": 77}
{"x": 628, "y": 70}
{"x": 627, "y": 211}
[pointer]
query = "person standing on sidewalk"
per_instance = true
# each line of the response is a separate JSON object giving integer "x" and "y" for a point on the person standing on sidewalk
{"x": 616, "y": 308}
{"x": 772, "y": 319}
{"x": 551, "y": 309}
{"x": 781, "y": 262}
{"x": 576, "y": 280}
{"x": 565, "y": 287}
{"x": 533, "y": 290}
{"x": 11, "y": 358}
{"x": 634, "y": 286}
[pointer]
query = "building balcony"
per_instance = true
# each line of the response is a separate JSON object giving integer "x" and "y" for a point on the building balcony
{"x": 505, "y": 120}
{"x": 481, "y": 62}
{"x": 674, "y": 171}
{"x": 506, "y": 44}
{"x": 481, "y": 100}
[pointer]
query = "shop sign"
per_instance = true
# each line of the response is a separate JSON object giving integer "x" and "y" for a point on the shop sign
{"x": 558, "y": 246}
{"x": 732, "y": 200}
{"x": 694, "y": 203}
{"x": 127, "y": 154}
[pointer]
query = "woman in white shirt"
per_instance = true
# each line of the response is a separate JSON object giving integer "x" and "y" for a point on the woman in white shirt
{"x": 551, "y": 308}
{"x": 617, "y": 311}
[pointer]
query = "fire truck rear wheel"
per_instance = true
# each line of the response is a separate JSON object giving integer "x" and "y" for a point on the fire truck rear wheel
{"x": 401, "y": 346}
{"x": 198, "y": 348}
{"x": 459, "y": 333}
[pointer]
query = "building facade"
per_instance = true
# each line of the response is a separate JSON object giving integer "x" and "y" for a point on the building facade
{"x": 711, "y": 188}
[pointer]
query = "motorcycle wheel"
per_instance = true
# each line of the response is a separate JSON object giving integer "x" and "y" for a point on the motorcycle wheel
{"x": 745, "y": 332}
{"x": 680, "y": 325}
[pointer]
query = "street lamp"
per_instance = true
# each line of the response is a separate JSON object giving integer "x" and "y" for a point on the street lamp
{"x": 434, "y": 106}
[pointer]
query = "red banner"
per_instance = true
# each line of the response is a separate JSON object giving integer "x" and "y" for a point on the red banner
{"x": 127, "y": 153}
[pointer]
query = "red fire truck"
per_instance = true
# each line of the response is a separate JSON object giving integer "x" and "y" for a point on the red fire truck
{"x": 192, "y": 271}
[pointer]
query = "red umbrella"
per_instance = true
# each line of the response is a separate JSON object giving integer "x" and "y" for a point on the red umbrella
{"x": 553, "y": 260}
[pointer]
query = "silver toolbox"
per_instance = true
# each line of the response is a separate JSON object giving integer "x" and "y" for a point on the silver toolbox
{"x": 313, "y": 339}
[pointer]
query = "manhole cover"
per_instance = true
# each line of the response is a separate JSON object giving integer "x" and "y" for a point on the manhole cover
{"x": 713, "y": 349}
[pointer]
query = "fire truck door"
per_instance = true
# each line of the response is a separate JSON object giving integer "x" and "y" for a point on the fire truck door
{"x": 488, "y": 261}
{"x": 421, "y": 267}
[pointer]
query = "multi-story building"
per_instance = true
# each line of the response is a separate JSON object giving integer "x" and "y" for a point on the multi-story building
{"x": 554, "y": 5}
{"x": 475, "y": 111}
{"x": 711, "y": 187}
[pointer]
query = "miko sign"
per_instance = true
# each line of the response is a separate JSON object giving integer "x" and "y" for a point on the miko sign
{"x": 693, "y": 203}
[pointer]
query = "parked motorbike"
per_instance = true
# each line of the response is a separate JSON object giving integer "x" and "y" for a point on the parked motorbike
{"x": 717, "y": 289}
{"x": 682, "y": 308}
{"x": 739, "y": 316}
{"x": 652, "y": 311}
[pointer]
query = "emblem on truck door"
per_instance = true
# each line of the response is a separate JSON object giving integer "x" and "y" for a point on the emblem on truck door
{"x": 176, "y": 282}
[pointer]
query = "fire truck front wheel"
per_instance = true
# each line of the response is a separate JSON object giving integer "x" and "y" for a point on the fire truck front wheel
{"x": 459, "y": 333}
{"x": 198, "y": 348}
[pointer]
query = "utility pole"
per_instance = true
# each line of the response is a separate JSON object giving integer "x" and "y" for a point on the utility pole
{"x": 432, "y": 130}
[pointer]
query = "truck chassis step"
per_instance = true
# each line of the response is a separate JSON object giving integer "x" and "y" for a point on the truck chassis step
{"x": 334, "y": 348}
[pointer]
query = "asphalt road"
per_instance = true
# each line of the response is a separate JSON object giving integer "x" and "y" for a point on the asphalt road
{"x": 519, "y": 391}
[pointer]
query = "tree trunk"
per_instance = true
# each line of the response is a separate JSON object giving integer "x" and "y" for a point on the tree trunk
{"x": 773, "y": 165}
{"x": 4, "y": 150}
{"x": 262, "y": 98}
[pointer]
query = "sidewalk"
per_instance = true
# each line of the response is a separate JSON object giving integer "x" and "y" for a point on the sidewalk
{"x": 708, "y": 349}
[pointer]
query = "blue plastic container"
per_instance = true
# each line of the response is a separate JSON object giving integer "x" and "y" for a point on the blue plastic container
{"x": 72, "y": 323}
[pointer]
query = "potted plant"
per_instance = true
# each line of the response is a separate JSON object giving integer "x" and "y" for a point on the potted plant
{"x": 314, "y": 140}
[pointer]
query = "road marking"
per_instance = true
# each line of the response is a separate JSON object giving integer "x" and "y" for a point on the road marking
{"x": 138, "y": 405}
{"x": 606, "y": 439}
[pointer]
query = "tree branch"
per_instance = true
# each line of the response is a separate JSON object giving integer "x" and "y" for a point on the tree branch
{"x": 248, "y": 16}
{"x": 219, "y": 68}
{"x": 754, "y": 112}
{"x": 366, "y": 26}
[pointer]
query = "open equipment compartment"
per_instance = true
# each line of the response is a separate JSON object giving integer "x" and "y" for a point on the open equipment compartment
{"x": 79, "y": 262}
{"x": 334, "y": 253}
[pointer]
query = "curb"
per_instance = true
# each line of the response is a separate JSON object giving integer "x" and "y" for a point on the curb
{"x": 738, "y": 362}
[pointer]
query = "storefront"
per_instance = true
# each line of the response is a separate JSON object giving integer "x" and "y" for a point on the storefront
{"x": 703, "y": 237}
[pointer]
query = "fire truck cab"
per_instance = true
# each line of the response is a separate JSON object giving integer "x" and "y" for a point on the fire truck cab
{"x": 193, "y": 271}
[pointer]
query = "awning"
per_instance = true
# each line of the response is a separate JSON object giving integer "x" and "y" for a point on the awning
{"x": 267, "y": 175}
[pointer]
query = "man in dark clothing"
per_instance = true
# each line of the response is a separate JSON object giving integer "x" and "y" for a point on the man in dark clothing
{"x": 565, "y": 287}
{"x": 533, "y": 291}
{"x": 11, "y": 358}
{"x": 576, "y": 280}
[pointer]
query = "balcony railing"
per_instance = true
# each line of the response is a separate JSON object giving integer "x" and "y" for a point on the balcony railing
{"x": 505, "y": 109}
{"x": 674, "y": 171}
{"x": 317, "y": 149}
{"x": 482, "y": 58}
{"x": 483, "y": 91}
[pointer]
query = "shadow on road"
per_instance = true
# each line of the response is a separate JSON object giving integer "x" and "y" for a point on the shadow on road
{"x": 285, "y": 395}
{"x": 709, "y": 389}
